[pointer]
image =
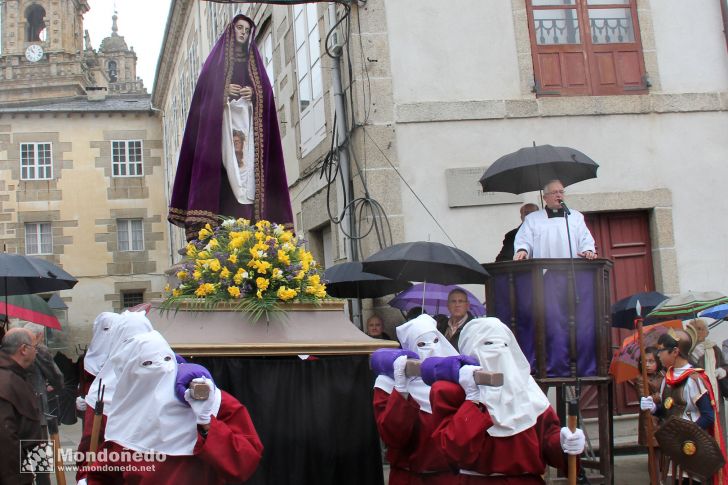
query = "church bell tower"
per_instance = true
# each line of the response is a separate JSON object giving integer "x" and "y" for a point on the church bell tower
{"x": 42, "y": 50}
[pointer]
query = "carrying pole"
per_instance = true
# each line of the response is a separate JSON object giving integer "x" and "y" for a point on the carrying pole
{"x": 572, "y": 411}
{"x": 648, "y": 415}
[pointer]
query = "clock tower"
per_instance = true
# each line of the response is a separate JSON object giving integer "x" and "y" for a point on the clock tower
{"x": 43, "y": 55}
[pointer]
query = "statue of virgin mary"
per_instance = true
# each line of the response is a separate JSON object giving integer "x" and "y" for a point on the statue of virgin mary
{"x": 231, "y": 160}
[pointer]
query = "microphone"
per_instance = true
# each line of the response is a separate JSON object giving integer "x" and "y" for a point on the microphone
{"x": 565, "y": 207}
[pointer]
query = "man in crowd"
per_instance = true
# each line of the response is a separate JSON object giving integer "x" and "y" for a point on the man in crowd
{"x": 19, "y": 414}
{"x": 459, "y": 308}
{"x": 45, "y": 376}
{"x": 375, "y": 328}
{"x": 543, "y": 233}
{"x": 506, "y": 252}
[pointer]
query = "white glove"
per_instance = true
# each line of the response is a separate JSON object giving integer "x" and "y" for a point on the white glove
{"x": 82, "y": 482}
{"x": 648, "y": 404}
{"x": 572, "y": 443}
{"x": 81, "y": 404}
{"x": 720, "y": 373}
{"x": 400, "y": 378}
{"x": 467, "y": 382}
{"x": 204, "y": 409}
{"x": 699, "y": 351}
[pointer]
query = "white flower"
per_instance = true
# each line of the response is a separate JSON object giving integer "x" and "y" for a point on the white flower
{"x": 228, "y": 223}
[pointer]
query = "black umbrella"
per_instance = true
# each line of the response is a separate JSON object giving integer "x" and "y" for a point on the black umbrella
{"x": 530, "y": 168}
{"x": 24, "y": 275}
{"x": 625, "y": 310}
{"x": 426, "y": 261}
{"x": 348, "y": 280}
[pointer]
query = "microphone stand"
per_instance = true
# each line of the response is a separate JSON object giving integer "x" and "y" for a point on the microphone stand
{"x": 572, "y": 310}
{"x": 567, "y": 213}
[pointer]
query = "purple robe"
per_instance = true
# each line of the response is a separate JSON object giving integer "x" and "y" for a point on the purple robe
{"x": 201, "y": 191}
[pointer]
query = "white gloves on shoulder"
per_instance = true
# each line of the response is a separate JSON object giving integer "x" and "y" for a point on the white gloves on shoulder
{"x": 400, "y": 378}
{"x": 648, "y": 404}
{"x": 572, "y": 443}
{"x": 467, "y": 382}
{"x": 81, "y": 404}
{"x": 698, "y": 351}
{"x": 82, "y": 482}
{"x": 720, "y": 373}
{"x": 204, "y": 409}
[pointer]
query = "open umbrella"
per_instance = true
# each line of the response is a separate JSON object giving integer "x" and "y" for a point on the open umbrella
{"x": 624, "y": 311}
{"x": 718, "y": 312}
{"x": 435, "y": 299}
{"x": 685, "y": 306}
{"x": 530, "y": 168}
{"x": 25, "y": 275}
{"x": 426, "y": 261}
{"x": 31, "y": 308}
{"x": 625, "y": 363}
{"x": 347, "y": 280}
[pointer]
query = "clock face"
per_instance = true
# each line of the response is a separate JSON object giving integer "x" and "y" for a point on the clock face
{"x": 34, "y": 53}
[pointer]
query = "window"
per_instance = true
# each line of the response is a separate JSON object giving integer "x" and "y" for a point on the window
{"x": 586, "y": 47}
{"x": 38, "y": 238}
{"x": 130, "y": 234}
{"x": 35, "y": 161}
{"x": 268, "y": 58}
{"x": 131, "y": 298}
{"x": 112, "y": 70}
{"x": 35, "y": 29}
{"x": 308, "y": 70}
{"x": 126, "y": 158}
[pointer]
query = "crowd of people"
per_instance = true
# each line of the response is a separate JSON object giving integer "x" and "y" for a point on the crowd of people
{"x": 145, "y": 419}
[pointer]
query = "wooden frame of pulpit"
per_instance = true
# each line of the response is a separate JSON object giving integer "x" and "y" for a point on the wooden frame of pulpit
{"x": 559, "y": 311}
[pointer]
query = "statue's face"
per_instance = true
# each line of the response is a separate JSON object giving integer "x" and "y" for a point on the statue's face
{"x": 242, "y": 31}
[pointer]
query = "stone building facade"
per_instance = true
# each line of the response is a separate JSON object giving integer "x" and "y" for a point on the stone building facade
{"x": 81, "y": 173}
{"x": 435, "y": 94}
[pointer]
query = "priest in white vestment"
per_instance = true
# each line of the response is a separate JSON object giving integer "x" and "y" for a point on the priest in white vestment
{"x": 543, "y": 233}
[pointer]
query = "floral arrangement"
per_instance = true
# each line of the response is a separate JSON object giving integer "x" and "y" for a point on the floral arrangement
{"x": 254, "y": 266}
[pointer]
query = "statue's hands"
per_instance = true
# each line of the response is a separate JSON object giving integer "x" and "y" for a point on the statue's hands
{"x": 246, "y": 93}
{"x": 235, "y": 90}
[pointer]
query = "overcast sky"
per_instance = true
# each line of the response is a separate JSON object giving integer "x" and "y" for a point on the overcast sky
{"x": 140, "y": 22}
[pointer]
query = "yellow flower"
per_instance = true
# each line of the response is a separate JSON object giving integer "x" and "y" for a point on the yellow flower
{"x": 260, "y": 266}
{"x": 225, "y": 273}
{"x": 203, "y": 255}
{"x": 191, "y": 250}
{"x": 234, "y": 291}
{"x": 276, "y": 274}
{"x": 205, "y": 232}
{"x": 314, "y": 280}
{"x": 214, "y": 243}
{"x": 197, "y": 275}
{"x": 262, "y": 283}
{"x": 205, "y": 289}
{"x": 215, "y": 265}
{"x": 259, "y": 294}
{"x": 259, "y": 236}
{"x": 283, "y": 258}
{"x": 305, "y": 257}
{"x": 285, "y": 293}
{"x": 286, "y": 237}
{"x": 299, "y": 276}
{"x": 182, "y": 275}
{"x": 176, "y": 292}
{"x": 240, "y": 276}
{"x": 233, "y": 258}
{"x": 262, "y": 225}
{"x": 166, "y": 287}
{"x": 243, "y": 222}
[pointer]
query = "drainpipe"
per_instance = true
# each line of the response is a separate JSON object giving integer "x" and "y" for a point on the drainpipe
{"x": 342, "y": 148}
{"x": 724, "y": 13}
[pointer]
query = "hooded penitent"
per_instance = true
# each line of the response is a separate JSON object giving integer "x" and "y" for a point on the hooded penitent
{"x": 145, "y": 415}
{"x": 202, "y": 187}
{"x": 516, "y": 405}
{"x": 419, "y": 335}
{"x": 128, "y": 325}
{"x": 98, "y": 348}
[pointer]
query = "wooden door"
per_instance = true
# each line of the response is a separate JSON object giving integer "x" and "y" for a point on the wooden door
{"x": 624, "y": 237}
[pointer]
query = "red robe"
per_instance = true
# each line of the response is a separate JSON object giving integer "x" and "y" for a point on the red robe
{"x": 407, "y": 432}
{"x": 462, "y": 435}
{"x": 230, "y": 453}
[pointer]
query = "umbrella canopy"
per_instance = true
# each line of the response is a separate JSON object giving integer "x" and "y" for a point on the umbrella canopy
{"x": 25, "y": 275}
{"x": 435, "y": 299}
{"x": 348, "y": 280}
{"x": 31, "y": 308}
{"x": 624, "y": 311}
{"x": 56, "y": 303}
{"x": 426, "y": 261}
{"x": 685, "y": 306}
{"x": 530, "y": 168}
{"x": 625, "y": 363}
{"x": 718, "y": 312}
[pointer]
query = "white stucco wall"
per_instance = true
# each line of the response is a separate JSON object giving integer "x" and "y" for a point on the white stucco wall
{"x": 448, "y": 51}
{"x": 684, "y": 153}
{"x": 690, "y": 45}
